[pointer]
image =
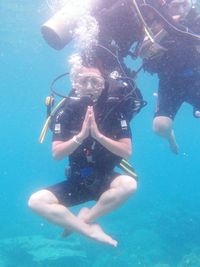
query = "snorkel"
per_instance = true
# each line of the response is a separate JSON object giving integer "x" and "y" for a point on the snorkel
{"x": 179, "y": 9}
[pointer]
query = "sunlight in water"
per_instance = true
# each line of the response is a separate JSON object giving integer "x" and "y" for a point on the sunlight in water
{"x": 86, "y": 32}
{"x": 74, "y": 7}
{"x": 86, "y": 36}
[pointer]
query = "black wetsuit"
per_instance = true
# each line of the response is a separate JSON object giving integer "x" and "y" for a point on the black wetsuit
{"x": 119, "y": 29}
{"x": 91, "y": 166}
{"x": 178, "y": 71}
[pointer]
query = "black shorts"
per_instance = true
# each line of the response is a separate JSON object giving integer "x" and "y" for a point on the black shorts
{"x": 73, "y": 192}
{"x": 174, "y": 90}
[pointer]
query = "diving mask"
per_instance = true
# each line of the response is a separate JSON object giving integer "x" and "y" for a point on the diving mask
{"x": 180, "y": 8}
{"x": 89, "y": 84}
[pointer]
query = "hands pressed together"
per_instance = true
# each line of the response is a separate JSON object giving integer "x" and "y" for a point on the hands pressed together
{"x": 89, "y": 126}
{"x": 62, "y": 149}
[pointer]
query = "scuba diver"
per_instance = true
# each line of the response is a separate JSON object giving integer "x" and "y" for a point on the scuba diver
{"x": 163, "y": 32}
{"x": 119, "y": 29}
{"x": 124, "y": 27}
{"x": 95, "y": 136}
{"x": 178, "y": 67}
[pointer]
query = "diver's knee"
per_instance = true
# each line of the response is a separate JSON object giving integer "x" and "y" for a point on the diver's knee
{"x": 162, "y": 125}
{"x": 34, "y": 201}
{"x": 129, "y": 185}
{"x": 39, "y": 198}
{"x": 197, "y": 114}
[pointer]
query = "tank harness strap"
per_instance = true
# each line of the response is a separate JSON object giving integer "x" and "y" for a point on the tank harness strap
{"x": 46, "y": 125}
{"x": 127, "y": 168}
{"x": 147, "y": 30}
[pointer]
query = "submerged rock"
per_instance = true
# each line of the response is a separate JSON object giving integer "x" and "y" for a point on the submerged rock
{"x": 191, "y": 260}
{"x": 40, "y": 251}
{"x": 161, "y": 265}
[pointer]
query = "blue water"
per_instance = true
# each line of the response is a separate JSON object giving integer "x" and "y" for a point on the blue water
{"x": 158, "y": 227}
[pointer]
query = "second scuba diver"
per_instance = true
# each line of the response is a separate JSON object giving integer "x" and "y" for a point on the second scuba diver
{"x": 178, "y": 69}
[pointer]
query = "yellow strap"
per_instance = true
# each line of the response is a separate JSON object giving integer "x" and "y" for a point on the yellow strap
{"x": 147, "y": 30}
{"x": 57, "y": 106}
{"x": 149, "y": 35}
{"x": 46, "y": 125}
{"x": 44, "y": 130}
{"x": 127, "y": 163}
{"x": 125, "y": 166}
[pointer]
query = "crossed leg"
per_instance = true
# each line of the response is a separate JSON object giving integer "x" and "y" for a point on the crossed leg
{"x": 121, "y": 188}
{"x": 46, "y": 205}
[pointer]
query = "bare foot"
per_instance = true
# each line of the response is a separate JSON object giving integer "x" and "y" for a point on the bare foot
{"x": 81, "y": 215}
{"x": 173, "y": 145}
{"x": 98, "y": 234}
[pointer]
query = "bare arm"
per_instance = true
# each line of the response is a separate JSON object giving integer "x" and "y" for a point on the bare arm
{"x": 61, "y": 149}
{"x": 121, "y": 147}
